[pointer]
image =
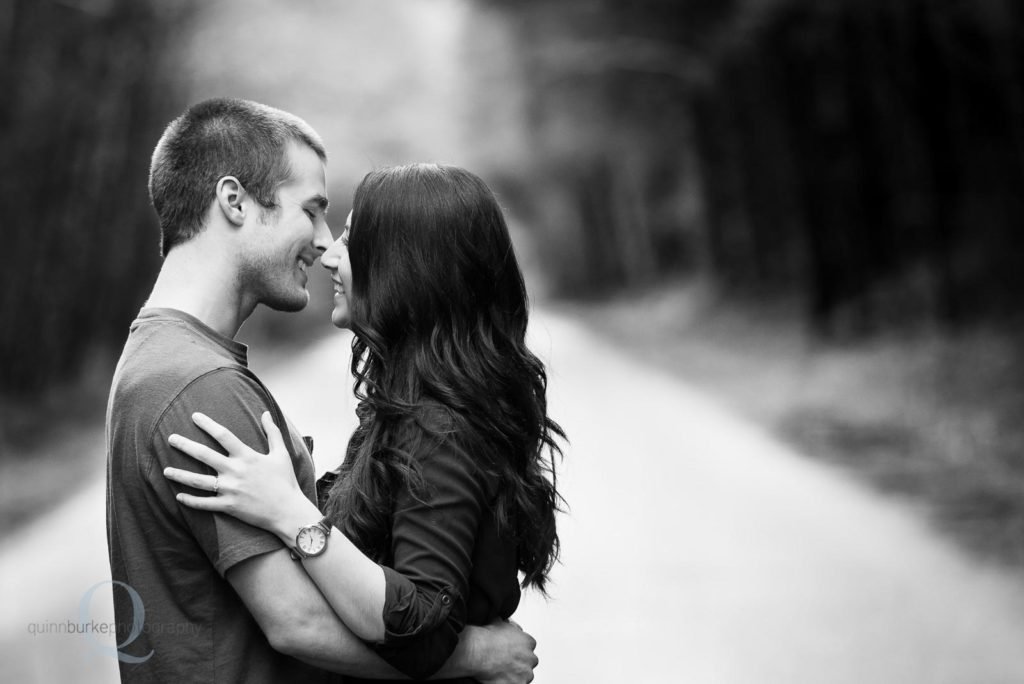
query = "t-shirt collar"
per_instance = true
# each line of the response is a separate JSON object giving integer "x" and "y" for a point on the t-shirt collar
{"x": 236, "y": 349}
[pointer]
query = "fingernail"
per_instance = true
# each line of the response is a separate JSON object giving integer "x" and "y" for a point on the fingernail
{"x": 173, "y": 440}
{"x": 198, "y": 416}
{"x": 178, "y": 497}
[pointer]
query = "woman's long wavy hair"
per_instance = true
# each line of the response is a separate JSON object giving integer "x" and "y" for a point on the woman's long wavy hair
{"x": 439, "y": 311}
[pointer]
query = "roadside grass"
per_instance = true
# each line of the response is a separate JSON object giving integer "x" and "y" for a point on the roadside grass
{"x": 931, "y": 417}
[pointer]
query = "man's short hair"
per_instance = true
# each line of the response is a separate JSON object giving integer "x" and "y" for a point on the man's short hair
{"x": 217, "y": 138}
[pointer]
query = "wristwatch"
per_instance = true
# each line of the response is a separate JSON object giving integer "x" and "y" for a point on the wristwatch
{"x": 311, "y": 540}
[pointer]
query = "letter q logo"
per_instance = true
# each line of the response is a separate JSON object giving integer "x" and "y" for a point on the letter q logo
{"x": 138, "y": 619}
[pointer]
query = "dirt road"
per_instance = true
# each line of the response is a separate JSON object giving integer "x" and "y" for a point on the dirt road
{"x": 697, "y": 550}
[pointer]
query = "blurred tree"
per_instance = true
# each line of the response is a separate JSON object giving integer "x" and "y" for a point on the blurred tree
{"x": 867, "y": 155}
{"x": 86, "y": 92}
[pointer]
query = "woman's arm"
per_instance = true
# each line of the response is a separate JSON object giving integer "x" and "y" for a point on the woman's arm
{"x": 433, "y": 535}
{"x": 414, "y": 611}
{"x": 352, "y": 583}
{"x": 261, "y": 490}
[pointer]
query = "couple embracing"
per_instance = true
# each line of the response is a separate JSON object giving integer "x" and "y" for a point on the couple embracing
{"x": 404, "y": 562}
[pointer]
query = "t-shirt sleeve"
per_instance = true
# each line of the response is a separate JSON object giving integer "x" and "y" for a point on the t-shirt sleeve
{"x": 235, "y": 401}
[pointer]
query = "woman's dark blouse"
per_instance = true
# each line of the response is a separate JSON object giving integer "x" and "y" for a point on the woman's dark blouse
{"x": 448, "y": 566}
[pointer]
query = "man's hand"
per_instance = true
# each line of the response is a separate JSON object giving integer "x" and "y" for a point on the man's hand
{"x": 504, "y": 652}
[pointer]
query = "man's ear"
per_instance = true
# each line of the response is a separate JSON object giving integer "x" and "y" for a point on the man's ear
{"x": 231, "y": 200}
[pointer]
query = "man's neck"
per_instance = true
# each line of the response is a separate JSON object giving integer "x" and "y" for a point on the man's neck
{"x": 195, "y": 280}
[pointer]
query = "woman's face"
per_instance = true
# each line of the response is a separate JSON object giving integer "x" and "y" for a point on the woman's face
{"x": 335, "y": 260}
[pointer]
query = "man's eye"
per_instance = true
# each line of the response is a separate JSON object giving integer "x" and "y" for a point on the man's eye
{"x": 309, "y": 214}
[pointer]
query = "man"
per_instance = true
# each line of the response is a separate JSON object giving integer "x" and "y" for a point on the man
{"x": 240, "y": 193}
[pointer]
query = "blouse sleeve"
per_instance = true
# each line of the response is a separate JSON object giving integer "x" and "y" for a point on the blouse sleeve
{"x": 433, "y": 536}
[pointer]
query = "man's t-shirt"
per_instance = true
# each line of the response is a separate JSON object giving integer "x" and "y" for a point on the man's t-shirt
{"x": 196, "y": 628}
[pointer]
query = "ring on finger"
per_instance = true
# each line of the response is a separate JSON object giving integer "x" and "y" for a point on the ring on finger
{"x": 216, "y": 485}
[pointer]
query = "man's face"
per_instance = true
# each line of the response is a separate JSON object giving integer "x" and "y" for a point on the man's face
{"x": 288, "y": 239}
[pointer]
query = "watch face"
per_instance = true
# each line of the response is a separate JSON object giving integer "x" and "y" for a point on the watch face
{"x": 311, "y": 540}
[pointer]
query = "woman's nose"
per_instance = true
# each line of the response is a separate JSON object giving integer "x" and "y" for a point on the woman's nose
{"x": 329, "y": 259}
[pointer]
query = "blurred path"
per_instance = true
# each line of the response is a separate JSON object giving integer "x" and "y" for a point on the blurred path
{"x": 697, "y": 550}
{"x": 701, "y": 550}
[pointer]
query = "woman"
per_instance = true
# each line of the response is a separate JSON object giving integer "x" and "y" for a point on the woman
{"x": 447, "y": 490}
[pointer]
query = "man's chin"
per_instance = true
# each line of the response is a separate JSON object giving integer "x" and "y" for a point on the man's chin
{"x": 288, "y": 304}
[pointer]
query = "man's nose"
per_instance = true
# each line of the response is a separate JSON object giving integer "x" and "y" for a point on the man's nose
{"x": 322, "y": 238}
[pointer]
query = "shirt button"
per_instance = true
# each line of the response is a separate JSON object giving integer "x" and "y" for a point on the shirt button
{"x": 445, "y": 599}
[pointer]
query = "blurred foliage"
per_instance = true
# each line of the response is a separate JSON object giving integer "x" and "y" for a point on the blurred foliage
{"x": 86, "y": 94}
{"x": 863, "y": 155}
{"x": 866, "y": 156}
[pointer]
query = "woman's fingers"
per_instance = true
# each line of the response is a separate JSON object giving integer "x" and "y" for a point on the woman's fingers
{"x": 224, "y": 437}
{"x": 215, "y": 504}
{"x": 200, "y": 452}
{"x": 274, "y": 437}
{"x": 208, "y": 483}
